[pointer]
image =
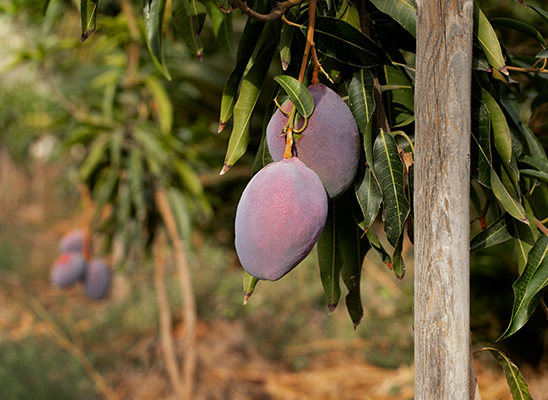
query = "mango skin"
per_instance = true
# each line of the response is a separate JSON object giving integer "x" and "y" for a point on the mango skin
{"x": 71, "y": 241}
{"x": 67, "y": 269}
{"x": 279, "y": 218}
{"x": 329, "y": 144}
{"x": 97, "y": 279}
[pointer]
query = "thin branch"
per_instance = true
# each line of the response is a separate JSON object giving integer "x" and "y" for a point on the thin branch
{"x": 538, "y": 70}
{"x": 185, "y": 282}
{"x": 165, "y": 322}
{"x": 541, "y": 227}
{"x": 86, "y": 222}
{"x": 544, "y": 307}
{"x": 278, "y": 10}
{"x": 57, "y": 335}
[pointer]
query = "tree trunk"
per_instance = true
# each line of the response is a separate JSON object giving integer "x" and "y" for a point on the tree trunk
{"x": 442, "y": 186}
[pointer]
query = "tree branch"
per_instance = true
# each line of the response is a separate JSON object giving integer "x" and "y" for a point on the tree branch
{"x": 165, "y": 322}
{"x": 185, "y": 282}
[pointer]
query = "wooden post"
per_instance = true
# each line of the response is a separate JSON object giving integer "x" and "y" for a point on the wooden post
{"x": 442, "y": 179}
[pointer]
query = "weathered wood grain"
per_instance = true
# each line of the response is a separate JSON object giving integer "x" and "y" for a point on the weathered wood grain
{"x": 442, "y": 179}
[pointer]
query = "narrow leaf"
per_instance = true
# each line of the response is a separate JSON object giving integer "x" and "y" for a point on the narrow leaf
{"x": 509, "y": 203}
{"x": 298, "y": 93}
{"x": 362, "y": 104}
{"x": 348, "y": 13}
{"x": 525, "y": 236}
{"x": 488, "y": 41}
{"x": 88, "y": 14}
{"x": 498, "y": 232}
{"x": 96, "y": 154}
{"x": 222, "y": 26}
{"x": 480, "y": 167}
{"x": 286, "y": 37}
{"x": 249, "y": 286}
{"x": 340, "y": 40}
{"x": 403, "y": 11}
{"x": 532, "y": 145}
{"x": 501, "y": 130}
{"x": 518, "y": 387}
{"x": 185, "y": 26}
{"x": 246, "y": 46}
{"x": 528, "y": 289}
{"x": 247, "y": 99}
{"x": 398, "y": 265}
{"x": 330, "y": 259}
{"x": 520, "y": 27}
{"x": 378, "y": 247}
{"x": 153, "y": 18}
{"x": 369, "y": 195}
{"x": 539, "y": 11}
{"x": 389, "y": 170}
{"x": 400, "y": 97}
{"x": 162, "y": 102}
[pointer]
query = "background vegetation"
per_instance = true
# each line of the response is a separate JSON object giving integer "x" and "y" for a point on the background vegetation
{"x": 57, "y": 98}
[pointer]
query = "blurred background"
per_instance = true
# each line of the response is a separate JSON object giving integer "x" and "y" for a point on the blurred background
{"x": 100, "y": 116}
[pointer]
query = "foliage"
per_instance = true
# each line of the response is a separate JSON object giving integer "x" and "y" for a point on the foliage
{"x": 126, "y": 122}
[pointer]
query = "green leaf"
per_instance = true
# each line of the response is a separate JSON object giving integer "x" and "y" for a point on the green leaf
{"x": 540, "y": 11}
{"x": 362, "y": 104}
{"x": 190, "y": 180}
{"x": 509, "y": 203}
{"x": 246, "y": 46}
{"x": 222, "y": 26}
{"x": 403, "y": 11}
{"x": 354, "y": 247}
{"x": 501, "y": 130}
{"x": 378, "y": 247}
{"x": 249, "y": 286}
{"x": 488, "y": 41}
{"x": 540, "y": 175}
{"x": 398, "y": 266}
{"x": 247, "y": 99}
{"x": 400, "y": 98}
{"x": 96, "y": 154}
{"x": 535, "y": 162}
{"x": 518, "y": 387}
{"x": 263, "y": 156}
{"x": 532, "y": 144}
{"x": 528, "y": 289}
{"x": 480, "y": 167}
{"x": 181, "y": 213}
{"x": 369, "y": 195}
{"x": 186, "y": 28}
{"x": 298, "y": 93}
{"x": 136, "y": 182}
{"x": 104, "y": 189}
{"x": 348, "y": 13}
{"x": 542, "y": 54}
{"x": 286, "y": 37}
{"x": 498, "y": 232}
{"x": 389, "y": 170}
{"x": 88, "y": 14}
{"x": 525, "y": 235}
{"x": 340, "y": 40}
{"x": 330, "y": 258}
{"x": 153, "y": 19}
{"x": 520, "y": 27}
{"x": 163, "y": 102}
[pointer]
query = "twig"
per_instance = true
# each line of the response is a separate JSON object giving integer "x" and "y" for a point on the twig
{"x": 541, "y": 227}
{"x": 86, "y": 221}
{"x": 57, "y": 335}
{"x": 165, "y": 322}
{"x": 278, "y": 10}
{"x": 537, "y": 70}
{"x": 189, "y": 303}
{"x": 544, "y": 307}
